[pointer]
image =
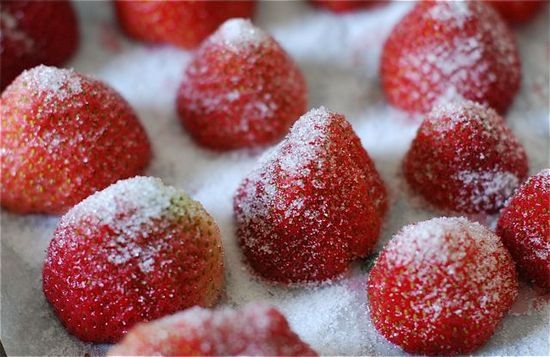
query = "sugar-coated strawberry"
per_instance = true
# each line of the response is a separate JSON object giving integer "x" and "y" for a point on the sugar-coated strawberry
{"x": 517, "y": 11}
{"x": 34, "y": 33}
{"x": 440, "y": 287}
{"x": 442, "y": 50}
{"x": 465, "y": 159}
{"x": 254, "y": 330}
{"x": 134, "y": 252}
{"x": 180, "y": 23}
{"x": 342, "y": 6}
{"x": 524, "y": 227}
{"x": 241, "y": 89}
{"x": 65, "y": 136}
{"x": 313, "y": 205}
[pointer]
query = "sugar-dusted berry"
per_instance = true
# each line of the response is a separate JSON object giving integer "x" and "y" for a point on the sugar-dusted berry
{"x": 134, "y": 252}
{"x": 64, "y": 137}
{"x": 313, "y": 205}
{"x": 464, "y": 158}
{"x": 444, "y": 50}
{"x": 241, "y": 89}
{"x": 254, "y": 330}
{"x": 524, "y": 226}
{"x": 440, "y": 287}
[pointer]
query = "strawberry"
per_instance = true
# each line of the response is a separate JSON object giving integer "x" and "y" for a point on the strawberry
{"x": 517, "y": 11}
{"x": 524, "y": 228}
{"x": 65, "y": 136}
{"x": 33, "y": 33}
{"x": 442, "y": 50}
{"x": 313, "y": 205}
{"x": 440, "y": 287}
{"x": 342, "y": 6}
{"x": 464, "y": 158}
{"x": 240, "y": 90}
{"x": 254, "y": 330}
{"x": 180, "y": 23}
{"x": 136, "y": 251}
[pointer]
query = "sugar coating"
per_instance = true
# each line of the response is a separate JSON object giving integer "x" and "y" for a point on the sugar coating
{"x": 458, "y": 111}
{"x": 52, "y": 82}
{"x": 255, "y": 329}
{"x": 137, "y": 251}
{"x": 523, "y": 227}
{"x": 445, "y": 118}
{"x": 64, "y": 137}
{"x": 465, "y": 158}
{"x": 317, "y": 192}
{"x": 455, "y": 11}
{"x": 488, "y": 184}
{"x": 444, "y": 241}
{"x": 303, "y": 143}
{"x": 450, "y": 50}
{"x": 437, "y": 276}
{"x": 129, "y": 208}
{"x": 293, "y": 156}
{"x": 147, "y": 197}
{"x": 237, "y": 32}
{"x": 241, "y": 89}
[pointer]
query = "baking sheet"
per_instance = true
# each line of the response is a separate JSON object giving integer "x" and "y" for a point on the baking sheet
{"x": 339, "y": 57}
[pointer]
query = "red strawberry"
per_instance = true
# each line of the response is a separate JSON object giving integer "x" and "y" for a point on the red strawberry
{"x": 342, "y": 6}
{"x": 65, "y": 136}
{"x": 33, "y": 33}
{"x": 181, "y": 23}
{"x": 525, "y": 230}
{"x": 440, "y": 287}
{"x": 448, "y": 49}
{"x": 464, "y": 158}
{"x": 241, "y": 89}
{"x": 314, "y": 204}
{"x": 517, "y": 12}
{"x": 254, "y": 330}
{"x": 136, "y": 251}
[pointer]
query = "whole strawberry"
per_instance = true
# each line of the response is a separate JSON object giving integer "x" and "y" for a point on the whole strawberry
{"x": 180, "y": 23}
{"x": 254, "y": 330}
{"x": 518, "y": 11}
{"x": 344, "y": 6}
{"x": 240, "y": 90}
{"x": 33, "y": 33}
{"x": 465, "y": 159}
{"x": 440, "y": 287}
{"x": 445, "y": 50}
{"x": 136, "y": 251}
{"x": 313, "y": 205}
{"x": 65, "y": 136}
{"x": 524, "y": 229}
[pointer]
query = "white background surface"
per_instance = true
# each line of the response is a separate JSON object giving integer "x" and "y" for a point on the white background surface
{"x": 339, "y": 57}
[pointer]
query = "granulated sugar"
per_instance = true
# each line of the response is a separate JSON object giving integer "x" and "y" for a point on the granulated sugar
{"x": 240, "y": 32}
{"x": 52, "y": 82}
{"x": 339, "y": 56}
